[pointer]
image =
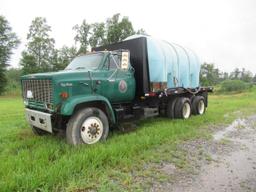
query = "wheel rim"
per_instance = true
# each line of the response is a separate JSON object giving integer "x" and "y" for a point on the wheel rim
{"x": 201, "y": 107}
{"x": 186, "y": 110}
{"x": 91, "y": 130}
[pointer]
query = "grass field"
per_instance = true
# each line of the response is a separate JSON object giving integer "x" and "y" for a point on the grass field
{"x": 31, "y": 163}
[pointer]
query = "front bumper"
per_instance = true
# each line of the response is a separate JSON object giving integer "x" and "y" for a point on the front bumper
{"x": 39, "y": 119}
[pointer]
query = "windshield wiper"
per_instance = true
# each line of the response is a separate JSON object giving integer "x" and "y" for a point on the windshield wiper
{"x": 80, "y": 68}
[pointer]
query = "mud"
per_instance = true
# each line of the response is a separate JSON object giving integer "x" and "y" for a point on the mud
{"x": 230, "y": 166}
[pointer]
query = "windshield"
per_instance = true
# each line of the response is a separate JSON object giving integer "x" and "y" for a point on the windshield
{"x": 90, "y": 62}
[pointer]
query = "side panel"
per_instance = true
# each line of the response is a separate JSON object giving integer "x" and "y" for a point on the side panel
{"x": 156, "y": 60}
{"x": 68, "y": 107}
{"x": 194, "y": 68}
{"x": 184, "y": 67}
{"x": 117, "y": 86}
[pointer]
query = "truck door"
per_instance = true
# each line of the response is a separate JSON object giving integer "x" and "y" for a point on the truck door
{"x": 120, "y": 81}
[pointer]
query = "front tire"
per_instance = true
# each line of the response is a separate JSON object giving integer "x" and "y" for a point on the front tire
{"x": 87, "y": 126}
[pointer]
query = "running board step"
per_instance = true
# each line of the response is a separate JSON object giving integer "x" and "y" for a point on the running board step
{"x": 151, "y": 112}
{"x": 130, "y": 116}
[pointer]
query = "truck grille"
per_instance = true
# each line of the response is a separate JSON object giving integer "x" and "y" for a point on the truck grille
{"x": 41, "y": 90}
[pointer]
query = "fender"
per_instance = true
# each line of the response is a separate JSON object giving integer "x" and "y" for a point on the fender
{"x": 69, "y": 105}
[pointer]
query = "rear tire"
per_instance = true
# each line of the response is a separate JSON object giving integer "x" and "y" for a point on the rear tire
{"x": 87, "y": 126}
{"x": 38, "y": 132}
{"x": 183, "y": 108}
{"x": 198, "y": 105}
{"x": 171, "y": 107}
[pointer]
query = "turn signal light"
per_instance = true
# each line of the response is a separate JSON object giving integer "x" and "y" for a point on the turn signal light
{"x": 150, "y": 94}
{"x": 64, "y": 95}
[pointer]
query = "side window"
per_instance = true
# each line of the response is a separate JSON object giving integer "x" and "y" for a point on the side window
{"x": 113, "y": 61}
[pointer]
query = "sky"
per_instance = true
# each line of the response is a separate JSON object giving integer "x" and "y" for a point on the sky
{"x": 222, "y": 32}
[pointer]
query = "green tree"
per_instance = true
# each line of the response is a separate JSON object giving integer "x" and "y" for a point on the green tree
{"x": 62, "y": 57}
{"x": 141, "y": 32}
{"x": 115, "y": 29}
{"x": 209, "y": 75}
{"x": 40, "y": 47}
{"x": 236, "y": 74}
{"x": 97, "y": 37}
{"x": 13, "y": 74}
{"x": 82, "y": 36}
{"x": 246, "y": 75}
{"x": 118, "y": 29}
{"x": 3, "y": 80}
{"x": 28, "y": 63}
{"x": 254, "y": 79}
{"x": 8, "y": 42}
{"x": 223, "y": 76}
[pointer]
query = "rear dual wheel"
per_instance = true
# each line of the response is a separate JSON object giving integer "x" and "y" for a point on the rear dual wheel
{"x": 183, "y": 108}
{"x": 198, "y": 105}
{"x": 179, "y": 107}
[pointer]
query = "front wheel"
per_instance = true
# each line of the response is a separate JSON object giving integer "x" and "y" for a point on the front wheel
{"x": 87, "y": 126}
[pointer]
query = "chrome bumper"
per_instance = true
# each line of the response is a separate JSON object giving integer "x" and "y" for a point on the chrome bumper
{"x": 39, "y": 119}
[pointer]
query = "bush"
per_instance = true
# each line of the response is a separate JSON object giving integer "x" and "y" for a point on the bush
{"x": 13, "y": 88}
{"x": 234, "y": 86}
{"x": 13, "y": 82}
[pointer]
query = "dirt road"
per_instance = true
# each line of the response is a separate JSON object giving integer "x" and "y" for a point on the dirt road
{"x": 232, "y": 164}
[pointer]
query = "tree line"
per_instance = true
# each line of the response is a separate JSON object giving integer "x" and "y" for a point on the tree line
{"x": 211, "y": 75}
{"x": 41, "y": 55}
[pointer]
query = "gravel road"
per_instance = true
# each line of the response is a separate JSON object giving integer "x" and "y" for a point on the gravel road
{"x": 232, "y": 164}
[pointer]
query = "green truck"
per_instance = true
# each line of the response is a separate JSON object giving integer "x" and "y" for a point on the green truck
{"x": 121, "y": 82}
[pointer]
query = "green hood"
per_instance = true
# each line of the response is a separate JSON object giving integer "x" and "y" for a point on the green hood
{"x": 74, "y": 82}
{"x": 60, "y": 75}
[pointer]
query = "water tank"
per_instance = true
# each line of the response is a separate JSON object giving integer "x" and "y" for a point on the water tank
{"x": 171, "y": 63}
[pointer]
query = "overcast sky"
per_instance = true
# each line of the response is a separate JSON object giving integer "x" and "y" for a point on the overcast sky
{"x": 219, "y": 31}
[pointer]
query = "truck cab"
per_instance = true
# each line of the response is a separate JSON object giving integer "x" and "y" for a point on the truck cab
{"x": 89, "y": 86}
{"x": 108, "y": 74}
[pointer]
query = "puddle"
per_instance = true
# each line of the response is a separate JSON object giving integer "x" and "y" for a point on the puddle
{"x": 231, "y": 128}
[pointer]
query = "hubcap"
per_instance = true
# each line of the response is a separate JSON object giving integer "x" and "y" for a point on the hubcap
{"x": 91, "y": 130}
{"x": 186, "y": 110}
{"x": 201, "y": 107}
